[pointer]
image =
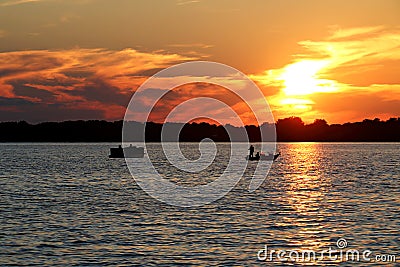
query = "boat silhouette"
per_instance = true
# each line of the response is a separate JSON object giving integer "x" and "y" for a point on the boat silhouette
{"x": 262, "y": 156}
{"x": 126, "y": 152}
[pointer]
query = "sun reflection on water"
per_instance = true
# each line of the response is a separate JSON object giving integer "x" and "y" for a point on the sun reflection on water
{"x": 304, "y": 191}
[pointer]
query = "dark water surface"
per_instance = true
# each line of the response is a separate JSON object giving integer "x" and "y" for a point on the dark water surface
{"x": 69, "y": 205}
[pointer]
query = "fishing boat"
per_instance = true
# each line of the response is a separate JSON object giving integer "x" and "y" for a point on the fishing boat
{"x": 262, "y": 156}
{"x": 126, "y": 152}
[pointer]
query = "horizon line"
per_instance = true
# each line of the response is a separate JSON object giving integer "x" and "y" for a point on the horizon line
{"x": 194, "y": 122}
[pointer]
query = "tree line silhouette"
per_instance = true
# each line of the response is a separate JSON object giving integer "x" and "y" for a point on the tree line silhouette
{"x": 291, "y": 129}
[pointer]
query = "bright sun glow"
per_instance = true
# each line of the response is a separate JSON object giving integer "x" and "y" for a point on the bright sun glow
{"x": 298, "y": 104}
{"x": 301, "y": 78}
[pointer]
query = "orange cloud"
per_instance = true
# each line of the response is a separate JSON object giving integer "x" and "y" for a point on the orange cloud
{"x": 211, "y": 109}
{"x": 96, "y": 82}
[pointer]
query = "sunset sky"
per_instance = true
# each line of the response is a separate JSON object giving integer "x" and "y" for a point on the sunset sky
{"x": 83, "y": 59}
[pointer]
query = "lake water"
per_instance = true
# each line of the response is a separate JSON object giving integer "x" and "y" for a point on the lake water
{"x": 70, "y": 205}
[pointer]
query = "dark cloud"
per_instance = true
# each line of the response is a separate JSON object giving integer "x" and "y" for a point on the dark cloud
{"x": 5, "y": 102}
{"x": 100, "y": 90}
{"x": 29, "y": 91}
{"x": 147, "y": 73}
{"x": 43, "y": 112}
{"x": 77, "y": 73}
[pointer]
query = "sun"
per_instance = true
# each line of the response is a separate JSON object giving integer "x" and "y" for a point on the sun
{"x": 302, "y": 78}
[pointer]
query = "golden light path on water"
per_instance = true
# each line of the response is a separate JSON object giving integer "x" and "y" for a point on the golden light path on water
{"x": 325, "y": 196}
{"x": 305, "y": 192}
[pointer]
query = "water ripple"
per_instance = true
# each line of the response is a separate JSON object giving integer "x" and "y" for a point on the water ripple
{"x": 69, "y": 205}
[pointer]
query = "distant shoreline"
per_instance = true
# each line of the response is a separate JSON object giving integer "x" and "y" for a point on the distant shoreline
{"x": 290, "y": 129}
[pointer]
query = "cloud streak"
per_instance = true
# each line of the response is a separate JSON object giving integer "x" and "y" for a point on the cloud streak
{"x": 18, "y": 2}
{"x": 88, "y": 80}
{"x": 359, "y": 63}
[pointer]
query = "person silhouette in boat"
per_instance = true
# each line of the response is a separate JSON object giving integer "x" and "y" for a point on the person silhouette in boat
{"x": 257, "y": 157}
{"x": 251, "y": 151}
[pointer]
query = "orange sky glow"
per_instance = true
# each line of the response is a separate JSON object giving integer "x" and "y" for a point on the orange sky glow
{"x": 69, "y": 60}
